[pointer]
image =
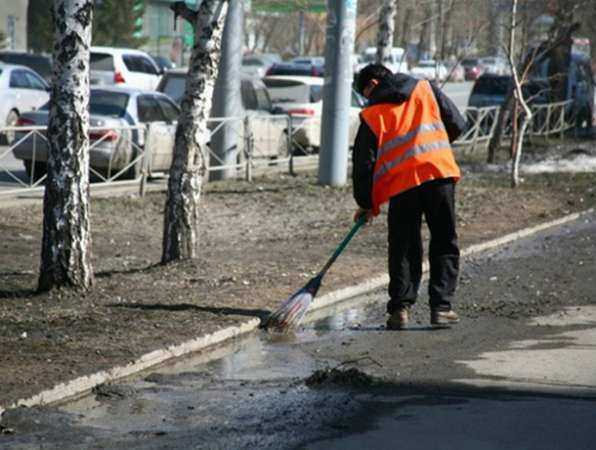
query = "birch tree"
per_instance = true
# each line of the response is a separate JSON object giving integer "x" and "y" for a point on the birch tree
{"x": 66, "y": 244}
{"x": 386, "y": 31}
{"x": 517, "y": 140}
{"x": 189, "y": 165}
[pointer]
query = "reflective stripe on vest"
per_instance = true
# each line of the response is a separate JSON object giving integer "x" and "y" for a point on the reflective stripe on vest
{"x": 401, "y": 140}
{"x": 412, "y": 151}
{"x": 413, "y": 145}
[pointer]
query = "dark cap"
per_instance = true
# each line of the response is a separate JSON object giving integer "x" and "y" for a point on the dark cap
{"x": 370, "y": 72}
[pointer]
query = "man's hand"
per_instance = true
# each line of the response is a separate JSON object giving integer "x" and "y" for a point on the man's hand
{"x": 363, "y": 212}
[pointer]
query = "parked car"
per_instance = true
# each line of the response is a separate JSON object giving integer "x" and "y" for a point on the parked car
{"x": 429, "y": 69}
{"x": 21, "y": 89}
{"x": 473, "y": 68}
{"x": 256, "y": 65}
{"x": 41, "y": 64}
{"x": 302, "y": 98}
{"x": 489, "y": 90}
{"x": 293, "y": 69}
{"x": 254, "y": 94}
{"x": 123, "y": 67}
{"x": 114, "y": 109}
{"x": 255, "y": 103}
{"x": 397, "y": 59}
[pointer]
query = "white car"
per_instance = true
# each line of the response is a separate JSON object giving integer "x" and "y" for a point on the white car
{"x": 430, "y": 70}
{"x": 21, "y": 89}
{"x": 397, "y": 60}
{"x": 302, "y": 98}
{"x": 123, "y": 67}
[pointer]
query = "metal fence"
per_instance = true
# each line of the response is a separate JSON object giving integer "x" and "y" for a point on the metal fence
{"x": 263, "y": 143}
{"x": 547, "y": 120}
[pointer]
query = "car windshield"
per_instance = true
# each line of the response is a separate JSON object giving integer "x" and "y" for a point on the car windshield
{"x": 292, "y": 91}
{"x": 492, "y": 86}
{"x": 253, "y": 62}
{"x": 173, "y": 86}
{"x": 293, "y": 69}
{"x": 104, "y": 103}
{"x": 39, "y": 64}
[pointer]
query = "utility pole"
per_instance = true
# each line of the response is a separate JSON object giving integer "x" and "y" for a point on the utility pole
{"x": 226, "y": 101}
{"x": 337, "y": 92}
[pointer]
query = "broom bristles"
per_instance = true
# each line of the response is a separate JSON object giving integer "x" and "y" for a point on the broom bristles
{"x": 290, "y": 313}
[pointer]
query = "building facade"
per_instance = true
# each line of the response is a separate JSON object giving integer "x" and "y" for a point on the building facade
{"x": 13, "y": 24}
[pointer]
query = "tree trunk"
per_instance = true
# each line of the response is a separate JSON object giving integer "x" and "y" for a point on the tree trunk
{"x": 517, "y": 139}
{"x": 495, "y": 140}
{"x": 386, "y": 31}
{"x": 66, "y": 244}
{"x": 406, "y": 28}
{"x": 189, "y": 165}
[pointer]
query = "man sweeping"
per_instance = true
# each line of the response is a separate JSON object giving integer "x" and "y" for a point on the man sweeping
{"x": 402, "y": 155}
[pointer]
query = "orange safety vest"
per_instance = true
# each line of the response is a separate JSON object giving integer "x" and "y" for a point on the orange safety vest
{"x": 412, "y": 144}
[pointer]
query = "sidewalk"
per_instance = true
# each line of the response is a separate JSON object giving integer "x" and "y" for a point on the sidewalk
{"x": 260, "y": 242}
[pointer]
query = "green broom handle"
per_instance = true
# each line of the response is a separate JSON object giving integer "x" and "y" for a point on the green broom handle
{"x": 343, "y": 244}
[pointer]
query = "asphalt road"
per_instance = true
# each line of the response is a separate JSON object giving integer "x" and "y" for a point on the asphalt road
{"x": 518, "y": 372}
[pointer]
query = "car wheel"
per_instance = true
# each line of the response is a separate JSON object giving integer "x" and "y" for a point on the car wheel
{"x": 35, "y": 171}
{"x": 11, "y": 121}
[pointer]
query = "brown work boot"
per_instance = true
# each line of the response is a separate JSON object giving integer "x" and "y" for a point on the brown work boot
{"x": 399, "y": 319}
{"x": 440, "y": 318}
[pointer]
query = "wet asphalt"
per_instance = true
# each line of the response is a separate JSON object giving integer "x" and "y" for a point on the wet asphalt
{"x": 503, "y": 378}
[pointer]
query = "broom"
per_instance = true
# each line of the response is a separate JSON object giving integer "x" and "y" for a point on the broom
{"x": 291, "y": 312}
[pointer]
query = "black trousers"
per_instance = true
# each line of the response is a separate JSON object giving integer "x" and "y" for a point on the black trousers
{"x": 436, "y": 201}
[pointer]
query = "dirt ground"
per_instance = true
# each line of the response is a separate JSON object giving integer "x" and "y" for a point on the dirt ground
{"x": 259, "y": 242}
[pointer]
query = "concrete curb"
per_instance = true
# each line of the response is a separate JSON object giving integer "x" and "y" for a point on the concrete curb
{"x": 82, "y": 385}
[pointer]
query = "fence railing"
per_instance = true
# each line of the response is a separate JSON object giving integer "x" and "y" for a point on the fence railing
{"x": 264, "y": 143}
{"x": 547, "y": 120}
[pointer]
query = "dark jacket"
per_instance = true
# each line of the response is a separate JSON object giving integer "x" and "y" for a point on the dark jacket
{"x": 396, "y": 89}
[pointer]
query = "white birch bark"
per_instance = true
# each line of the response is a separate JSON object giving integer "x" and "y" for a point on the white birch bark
{"x": 66, "y": 244}
{"x": 189, "y": 165}
{"x": 386, "y": 31}
{"x": 518, "y": 141}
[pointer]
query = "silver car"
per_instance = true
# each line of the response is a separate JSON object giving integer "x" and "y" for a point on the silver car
{"x": 267, "y": 125}
{"x": 117, "y": 134}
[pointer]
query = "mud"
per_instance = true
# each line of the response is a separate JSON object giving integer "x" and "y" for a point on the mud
{"x": 351, "y": 377}
{"x": 253, "y": 394}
